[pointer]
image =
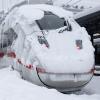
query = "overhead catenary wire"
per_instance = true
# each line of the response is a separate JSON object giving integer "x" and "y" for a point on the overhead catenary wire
{"x": 28, "y": 1}
{"x": 73, "y": 2}
{"x": 69, "y": 1}
{"x": 77, "y": 2}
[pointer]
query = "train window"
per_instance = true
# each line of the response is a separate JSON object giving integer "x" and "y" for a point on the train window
{"x": 51, "y": 21}
{"x": 7, "y": 38}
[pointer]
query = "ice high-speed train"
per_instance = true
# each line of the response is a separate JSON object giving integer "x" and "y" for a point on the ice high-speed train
{"x": 48, "y": 47}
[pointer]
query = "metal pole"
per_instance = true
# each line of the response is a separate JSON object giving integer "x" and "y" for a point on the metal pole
{"x": 28, "y": 1}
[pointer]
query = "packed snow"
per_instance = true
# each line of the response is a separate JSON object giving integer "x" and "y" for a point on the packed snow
{"x": 26, "y": 12}
{"x": 54, "y": 9}
{"x": 12, "y": 87}
{"x": 49, "y": 58}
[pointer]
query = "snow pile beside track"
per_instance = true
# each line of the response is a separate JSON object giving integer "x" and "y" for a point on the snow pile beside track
{"x": 12, "y": 87}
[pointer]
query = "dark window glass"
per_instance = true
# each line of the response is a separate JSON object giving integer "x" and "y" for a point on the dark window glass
{"x": 7, "y": 38}
{"x": 51, "y": 21}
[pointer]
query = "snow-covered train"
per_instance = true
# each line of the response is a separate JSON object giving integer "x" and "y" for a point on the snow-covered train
{"x": 48, "y": 47}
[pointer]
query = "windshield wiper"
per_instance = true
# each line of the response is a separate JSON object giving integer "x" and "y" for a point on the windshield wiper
{"x": 42, "y": 40}
{"x": 68, "y": 27}
{"x": 62, "y": 30}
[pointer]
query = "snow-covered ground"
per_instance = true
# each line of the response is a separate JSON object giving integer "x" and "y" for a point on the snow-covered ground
{"x": 12, "y": 87}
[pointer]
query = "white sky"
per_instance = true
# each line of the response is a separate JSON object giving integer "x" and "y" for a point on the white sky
{"x": 7, "y": 4}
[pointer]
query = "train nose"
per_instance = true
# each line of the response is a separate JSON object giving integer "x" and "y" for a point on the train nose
{"x": 66, "y": 64}
{"x": 62, "y": 77}
{"x": 64, "y": 81}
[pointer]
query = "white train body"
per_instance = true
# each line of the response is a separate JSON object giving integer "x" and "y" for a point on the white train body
{"x": 50, "y": 48}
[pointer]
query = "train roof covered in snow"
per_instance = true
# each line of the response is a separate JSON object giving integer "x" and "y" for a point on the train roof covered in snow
{"x": 25, "y": 11}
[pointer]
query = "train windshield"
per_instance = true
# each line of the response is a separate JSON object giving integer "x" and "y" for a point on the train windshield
{"x": 51, "y": 21}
